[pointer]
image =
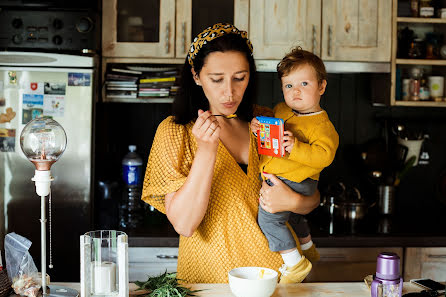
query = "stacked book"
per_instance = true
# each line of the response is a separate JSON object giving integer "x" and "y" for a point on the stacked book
{"x": 121, "y": 83}
{"x": 158, "y": 84}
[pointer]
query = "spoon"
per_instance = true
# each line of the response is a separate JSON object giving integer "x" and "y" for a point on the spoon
{"x": 229, "y": 116}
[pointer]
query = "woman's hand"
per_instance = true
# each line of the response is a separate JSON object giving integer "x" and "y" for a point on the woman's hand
{"x": 280, "y": 197}
{"x": 206, "y": 130}
{"x": 288, "y": 141}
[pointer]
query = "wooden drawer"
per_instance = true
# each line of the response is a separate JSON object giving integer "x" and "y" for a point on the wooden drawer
{"x": 347, "y": 264}
{"x": 425, "y": 263}
{"x": 148, "y": 261}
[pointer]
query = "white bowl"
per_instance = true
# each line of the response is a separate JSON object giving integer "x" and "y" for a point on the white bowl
{"x": 251, "y": 282}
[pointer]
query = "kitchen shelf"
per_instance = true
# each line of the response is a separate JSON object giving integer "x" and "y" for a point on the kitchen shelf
{"x": 421, "y": 62}
{"x": 421, "y": 20}
{"x": 139, "y": 100}
{"x": 420, "y": 103}
{"x": 431, "y": 24}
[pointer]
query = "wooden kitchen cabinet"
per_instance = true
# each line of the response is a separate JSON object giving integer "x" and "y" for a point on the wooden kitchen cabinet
{"x": 347, "y": 264}
{"x": 425, "y": 263}
{"x": 163, "y": 29}
{"x": 138, "y": 29}
{"x": 151, "y": 261}
{"x": 336, "y": 30}
{"x": 277, "y": 25}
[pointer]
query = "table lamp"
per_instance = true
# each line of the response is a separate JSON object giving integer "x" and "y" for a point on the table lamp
{"x": 43, "y": 141}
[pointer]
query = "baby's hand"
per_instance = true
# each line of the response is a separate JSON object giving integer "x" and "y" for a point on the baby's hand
{"x": 255, "y": 126}
{"x": 288, "y": 141}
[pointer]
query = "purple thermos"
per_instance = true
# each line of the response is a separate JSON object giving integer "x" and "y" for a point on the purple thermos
{"x": 387, "y": 276}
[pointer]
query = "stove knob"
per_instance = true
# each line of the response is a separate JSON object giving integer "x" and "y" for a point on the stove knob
{"x": 57, "y": 40}
{"x": 17, "y": 39}
{"x": 57, "y": 24}
{"x": 17, "y": 23}
{"x": 84, "y": 25}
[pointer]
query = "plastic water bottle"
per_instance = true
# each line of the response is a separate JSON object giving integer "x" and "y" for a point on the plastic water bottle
{"x": 131, "y": 213}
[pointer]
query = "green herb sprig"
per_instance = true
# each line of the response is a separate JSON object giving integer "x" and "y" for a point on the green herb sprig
{"x": 165, "y": 285}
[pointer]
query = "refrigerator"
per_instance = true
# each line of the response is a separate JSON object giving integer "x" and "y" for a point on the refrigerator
{"x": 60, "y": 86}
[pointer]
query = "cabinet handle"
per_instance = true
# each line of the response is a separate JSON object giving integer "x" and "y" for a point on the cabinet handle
{"x": 167, "y": 37}
{"x": 167, "y": 256}
{"x": 183, "y": 32}
{"x": 314, "y": 39}
{"x": 437, "y": 256}
{"x": 329, "y": 41}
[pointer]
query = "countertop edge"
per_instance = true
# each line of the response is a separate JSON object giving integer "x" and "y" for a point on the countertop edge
{"x": 329, "y": 241}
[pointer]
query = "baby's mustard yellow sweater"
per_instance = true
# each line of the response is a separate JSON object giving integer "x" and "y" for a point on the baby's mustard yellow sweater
{"x": 315, "y": 145}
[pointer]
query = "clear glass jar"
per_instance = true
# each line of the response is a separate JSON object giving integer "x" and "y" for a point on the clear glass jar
{"x": 416, "y": 49}
{"x": 426, "y": 8}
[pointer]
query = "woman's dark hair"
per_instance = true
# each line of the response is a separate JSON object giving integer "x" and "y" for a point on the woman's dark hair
{"x": 190, "y": 97}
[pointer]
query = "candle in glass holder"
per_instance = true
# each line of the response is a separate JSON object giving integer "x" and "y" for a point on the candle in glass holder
{"x": 104, "y": 277}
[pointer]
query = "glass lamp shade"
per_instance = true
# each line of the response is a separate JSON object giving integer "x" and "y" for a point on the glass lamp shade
{"x": 43, "y": 141}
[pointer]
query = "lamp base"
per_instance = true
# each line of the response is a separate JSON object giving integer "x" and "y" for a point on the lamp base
{"x": 60, "y": 291}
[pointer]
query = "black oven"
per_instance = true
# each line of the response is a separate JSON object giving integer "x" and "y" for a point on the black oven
{"x": 51, "y": 25}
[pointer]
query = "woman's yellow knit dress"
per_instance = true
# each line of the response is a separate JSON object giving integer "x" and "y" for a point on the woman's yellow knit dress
{"x": 228, "y": 236}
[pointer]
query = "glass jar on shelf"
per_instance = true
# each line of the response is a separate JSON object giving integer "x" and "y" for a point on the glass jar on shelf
{"x": 426, "y": 8}
{"x": 416, "y": 49}
{"x": 414, "y": 8}
{"x": 433, "y": 41}
{"x": 424, "y": 93}
{"x": 415, "y": 83}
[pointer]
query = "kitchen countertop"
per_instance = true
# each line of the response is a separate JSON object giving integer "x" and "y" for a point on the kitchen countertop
{"x": 356, "y": 289}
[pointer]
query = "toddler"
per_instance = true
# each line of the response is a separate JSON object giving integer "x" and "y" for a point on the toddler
{"x": 310, "y": 141}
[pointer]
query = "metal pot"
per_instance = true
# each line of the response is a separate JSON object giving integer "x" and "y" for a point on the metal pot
{"x": 354, "y": 207}
{"x": 345, "y": 202}
{"x": 352, "y": 210}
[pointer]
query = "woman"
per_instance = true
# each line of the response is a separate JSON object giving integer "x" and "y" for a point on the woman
{"x": 203, "y": 166}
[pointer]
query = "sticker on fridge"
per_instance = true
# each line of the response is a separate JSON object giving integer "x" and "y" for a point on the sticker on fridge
{"x": 35, "y": 88}
{"x": 2, "y": 96}
{"x": 32, "y": 107}
{"x": 7, "y": 140}
{"x": 79, "y": 79}
{"x": 8, "y": 116}
{"x": 52, "y": 88}
{"x": 54, "y": 105}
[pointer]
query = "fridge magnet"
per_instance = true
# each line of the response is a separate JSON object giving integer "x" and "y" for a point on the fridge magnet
{"x": 12, "y": 77}
{"x": 7, "y": 140}
{"x": 52, "y": 88}
{"x": 8, "y": 116}
{"x": 79, "y": 79}
{"x": 35, "y": 88}
{"x": 32, "y": 107}
{"x": 54, "y": 105}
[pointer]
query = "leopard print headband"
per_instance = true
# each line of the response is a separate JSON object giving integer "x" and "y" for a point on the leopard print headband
{"x": 212, "y": 33}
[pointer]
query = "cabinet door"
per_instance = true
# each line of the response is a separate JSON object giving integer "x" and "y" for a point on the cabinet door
{"x": 193, "y": 16}
{"x": 183, "y": 28}
{"x": 425, "y": 263}
{"x": 151, "y": 261}
{"x": 347, "y": 264}
{"x": 275, "y": 26}
{"x": 356, "y": 30}
{"x": 134, "y": 28}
